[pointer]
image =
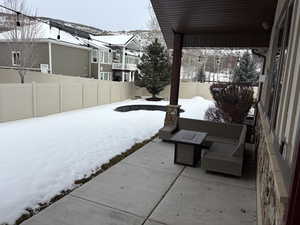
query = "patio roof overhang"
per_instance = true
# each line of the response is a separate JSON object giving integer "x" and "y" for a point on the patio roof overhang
{"x": 216, "y": 23}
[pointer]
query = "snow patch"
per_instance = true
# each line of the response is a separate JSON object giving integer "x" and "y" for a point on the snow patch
{"x": 40, "y": 157}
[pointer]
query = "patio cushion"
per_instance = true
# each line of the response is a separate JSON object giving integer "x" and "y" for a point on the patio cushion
{"x": 221, "y": 140}
{"x": 220, "y": 158}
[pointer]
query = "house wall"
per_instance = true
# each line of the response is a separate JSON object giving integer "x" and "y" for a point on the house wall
{"x": 275, "y": 170}
{"x": 94, "y": 70}
{"x": 69, "y": 60}
{"x": 40, "y": 54}
{"x": 106, "y": 67}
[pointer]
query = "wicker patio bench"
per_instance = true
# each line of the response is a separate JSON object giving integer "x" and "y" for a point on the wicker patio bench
{"x": 226, "y": 140}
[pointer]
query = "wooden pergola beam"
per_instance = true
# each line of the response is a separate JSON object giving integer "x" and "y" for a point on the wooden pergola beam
{"x": 176, "y": 65}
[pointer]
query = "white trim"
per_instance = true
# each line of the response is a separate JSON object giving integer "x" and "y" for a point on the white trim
{"x": 68, "y": 44}
{"x": 50, "y": 57}
{"x": 99, "y": 66}
{"x": 123, "y": 64}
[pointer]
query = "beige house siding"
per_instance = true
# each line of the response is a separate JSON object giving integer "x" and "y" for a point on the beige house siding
{"x": 40, "y": 51}
{"x": 275, "y": 170}
{"x": 70, "y": 61}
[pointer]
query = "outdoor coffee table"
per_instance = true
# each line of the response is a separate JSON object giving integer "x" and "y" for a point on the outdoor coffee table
{"x": 188, "y": 145}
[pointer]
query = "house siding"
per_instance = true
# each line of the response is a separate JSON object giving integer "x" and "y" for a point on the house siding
{"x": 41, "y": 52}
{"x": 70, "y": 61}
{"x": 275, "y": 171}
{"x": 94, "y": 70}
{"x": 106, "y": 67}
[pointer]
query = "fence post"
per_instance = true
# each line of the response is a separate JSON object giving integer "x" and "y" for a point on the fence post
{"x": 98, "y": 93}
{"x": 60, "y": 97}
{"x": 83, "y": 95}
{"x": 34, "y": 99}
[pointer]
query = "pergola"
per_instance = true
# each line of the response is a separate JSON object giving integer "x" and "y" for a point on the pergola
{"x": 218, "y": 24}
{"x": 212, "y": 24}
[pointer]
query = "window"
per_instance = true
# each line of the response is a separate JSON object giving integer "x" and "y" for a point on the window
{"x": 95, "y": 56}
{"x": 16, "y": 58}
{"x": 278, "y": 67}
{"x": 105, "y": 75}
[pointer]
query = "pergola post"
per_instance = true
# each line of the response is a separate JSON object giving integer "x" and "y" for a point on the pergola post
{"x": 176, "y": 65}
{"x": 172, "y": 110}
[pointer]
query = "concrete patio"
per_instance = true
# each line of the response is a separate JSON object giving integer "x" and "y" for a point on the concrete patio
{"x": 147, "y": 188}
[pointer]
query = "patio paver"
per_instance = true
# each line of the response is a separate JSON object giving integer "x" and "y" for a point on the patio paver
{"x": 191, "y": 201}
{"x": 247, "y": 181}
{"x": 128, "y": 187}
{"x": 151, "y": 222}
{"x": 156, "y": 155}
{"x": 74, "y": 211}
{"x": 147, "y": 188}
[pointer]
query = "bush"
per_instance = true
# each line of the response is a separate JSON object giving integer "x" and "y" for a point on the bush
{"x": 214, "y": 114}
{"x": 232, "y": 101}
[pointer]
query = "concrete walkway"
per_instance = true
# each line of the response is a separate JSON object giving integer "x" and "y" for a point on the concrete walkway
{"x": 147, "y": 188}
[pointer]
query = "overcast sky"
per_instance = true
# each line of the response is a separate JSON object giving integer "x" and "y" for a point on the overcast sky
{"x": 104, "y": 14}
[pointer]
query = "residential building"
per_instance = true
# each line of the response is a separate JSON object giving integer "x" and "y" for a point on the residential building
{"x": 125, "y": 53}
{"x": 271, "y": 29}
{"x": 53, "y": 50}
{"x": 59, "y": 49}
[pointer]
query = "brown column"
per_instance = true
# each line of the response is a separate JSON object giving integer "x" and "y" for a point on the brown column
{"x": 175, "y": 79}
{"x": 172, "y": 111}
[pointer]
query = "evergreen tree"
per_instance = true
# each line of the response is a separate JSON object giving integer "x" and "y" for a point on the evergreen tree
{"x": 154, "y": 69}
{"x": 201, "y": 75}
{"x": 246, "y": 70}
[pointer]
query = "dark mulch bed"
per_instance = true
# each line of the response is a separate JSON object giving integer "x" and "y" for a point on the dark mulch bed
{"x": 156, "y": 99}
{"x": 128, "y": 108}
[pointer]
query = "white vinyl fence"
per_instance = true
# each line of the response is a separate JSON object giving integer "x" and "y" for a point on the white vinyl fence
{"x": 21, "y": 101}
{"x": 44, "y": 94}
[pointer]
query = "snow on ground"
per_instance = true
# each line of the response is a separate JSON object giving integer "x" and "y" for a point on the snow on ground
{"x": 40, "y": 157}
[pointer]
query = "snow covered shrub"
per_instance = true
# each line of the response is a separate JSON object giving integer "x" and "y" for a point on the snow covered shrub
{"x": 214, "y": 114}
{"x": 233, "y": 101}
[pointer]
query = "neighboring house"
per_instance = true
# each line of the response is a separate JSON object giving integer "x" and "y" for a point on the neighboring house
{"x": 57, "y": 51}
{"x": 125, "y": 53}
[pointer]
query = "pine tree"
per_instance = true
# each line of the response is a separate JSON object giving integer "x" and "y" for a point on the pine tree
{"x": 246, "y": 70}
{"x": 201, "y": 75}
{"x": 154, "y": 69}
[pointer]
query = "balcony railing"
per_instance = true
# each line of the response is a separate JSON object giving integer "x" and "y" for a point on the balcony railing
{"x": 118, "y": 66}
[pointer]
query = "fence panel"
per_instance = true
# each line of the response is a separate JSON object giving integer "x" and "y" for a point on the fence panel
{"x": 47, "y": 99}
{"x": 71, "y": 97}
{"x": 16, "y": 102}
{"x": 90, "y": 94}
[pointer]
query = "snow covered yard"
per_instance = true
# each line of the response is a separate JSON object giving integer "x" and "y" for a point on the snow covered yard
{"x": 40, "y": 157}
